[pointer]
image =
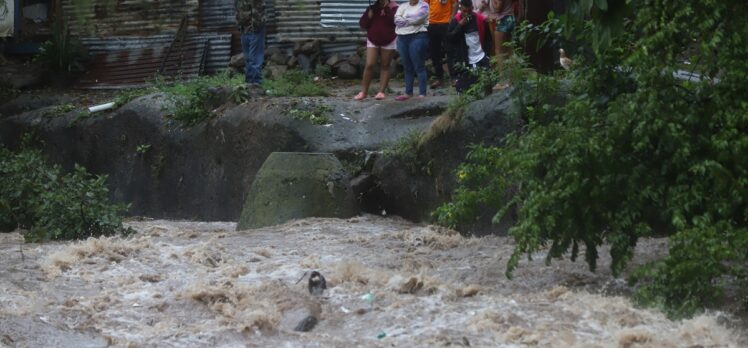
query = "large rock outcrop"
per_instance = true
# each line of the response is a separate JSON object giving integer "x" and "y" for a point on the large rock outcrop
{"x": 205, "y": 172}
{"x": 295, "y": 185}
{"x": 413, "y": 187}
{"x": 163, "y": 170}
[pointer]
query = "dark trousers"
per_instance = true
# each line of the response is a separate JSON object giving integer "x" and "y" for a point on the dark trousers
{"x": 469, "y": 75}
{"x": 437, "y": 42}
{"x": 253, "y": 47}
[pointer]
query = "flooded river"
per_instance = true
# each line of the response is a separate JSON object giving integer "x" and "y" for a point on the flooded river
{"x": 390, "y": 283}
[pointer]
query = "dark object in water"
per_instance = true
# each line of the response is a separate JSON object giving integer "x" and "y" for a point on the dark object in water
{"x": 317, "y": 283}
{"x": 306, "y": 324}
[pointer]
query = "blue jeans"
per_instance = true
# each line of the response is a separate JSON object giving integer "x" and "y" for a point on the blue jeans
{"x": 412, "y": 50}
{"x": 253, "y": 46}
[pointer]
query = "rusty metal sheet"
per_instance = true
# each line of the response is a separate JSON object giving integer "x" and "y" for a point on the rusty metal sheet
{"x": 217, "y": 58}
{"x": 135, "y": 67}
{"x": 128, "y": 17}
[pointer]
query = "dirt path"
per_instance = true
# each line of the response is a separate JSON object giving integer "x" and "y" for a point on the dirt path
{"x": 203, "y": 284}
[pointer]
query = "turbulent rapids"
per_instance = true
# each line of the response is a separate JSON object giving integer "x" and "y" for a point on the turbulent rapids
{"x": 389, "y": 283}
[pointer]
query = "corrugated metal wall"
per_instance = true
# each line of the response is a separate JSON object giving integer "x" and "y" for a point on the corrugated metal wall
{"x": 129, "y": 17}
{"x": 342, "y": 13}
{"x": 218, "y": 53}
{"x": 110, "y": 27}
{"x": 298, "y": 20}
{"x": 333, "y": 22}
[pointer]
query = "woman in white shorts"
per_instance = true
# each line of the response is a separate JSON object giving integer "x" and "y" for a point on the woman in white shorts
{"x": 381, "y": 42}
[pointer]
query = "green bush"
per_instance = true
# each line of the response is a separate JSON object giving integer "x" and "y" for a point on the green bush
{"x": 631, "y": 151}
{"x": 191, "y": 98}
{"x": 127, "y": 96}
{"x": 51, "y": 205}
{"x": 62, "y": 50}
{"x": 406, "y": 150}
{"x": 294, "y": 83}
{"x": 59, "y": 110}
{"x": 318, "y": 115}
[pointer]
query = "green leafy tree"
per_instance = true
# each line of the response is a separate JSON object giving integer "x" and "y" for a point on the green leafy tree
{"x": 632, "y": 150}
{"x": 52, "y": 205}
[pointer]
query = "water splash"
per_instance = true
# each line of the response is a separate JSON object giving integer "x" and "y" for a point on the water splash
{"x": 203, "y": 284}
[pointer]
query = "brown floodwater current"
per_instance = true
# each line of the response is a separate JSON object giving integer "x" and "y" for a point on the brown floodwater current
{"x": 390, "y": 283}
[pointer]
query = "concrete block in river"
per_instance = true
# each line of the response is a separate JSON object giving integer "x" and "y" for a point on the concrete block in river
{"x": 293, "y": 185}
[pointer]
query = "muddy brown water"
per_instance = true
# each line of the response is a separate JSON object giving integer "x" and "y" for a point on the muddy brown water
{"x": 197, "y": 284}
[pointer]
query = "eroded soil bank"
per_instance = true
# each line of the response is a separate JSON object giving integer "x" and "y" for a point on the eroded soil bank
{"x": 203, "y": 284}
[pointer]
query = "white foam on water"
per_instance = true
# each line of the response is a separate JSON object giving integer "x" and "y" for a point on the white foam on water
{"x": 178, "y": 283}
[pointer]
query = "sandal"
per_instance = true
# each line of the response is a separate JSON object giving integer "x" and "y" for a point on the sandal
{"x": 380, "y": 96}
{"x": 403, "y": 97}
{"x": 360, "y": 96}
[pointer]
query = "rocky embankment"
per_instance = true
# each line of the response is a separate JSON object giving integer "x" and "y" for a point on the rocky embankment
{"x": 204, "y": 172}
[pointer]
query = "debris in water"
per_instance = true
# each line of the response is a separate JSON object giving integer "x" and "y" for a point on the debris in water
{"x": 411, "y": 286}
{"x": 150, "y": 278}
{"x": 317, "y": 283}
{"x": 381, "y": 335}
{"x": 368, "y": 298}
{"x": 306, "y": 324}
{"x": 344, "y": 310}
{"x": 468, "y": 291}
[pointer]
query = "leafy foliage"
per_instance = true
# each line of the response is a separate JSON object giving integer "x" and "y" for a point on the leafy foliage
{"x": 59, "y": 110}
{"x": 63, "y": 49}
{"x": 317, "y": 116}
{"x": 631, "y": 150}
{"x": 294, "y": 83}
{"x": 406, "y": 149}
{"x": 127, "y": 96}
{"x": 191, "y": 98}
{"x": 51, "y": 205}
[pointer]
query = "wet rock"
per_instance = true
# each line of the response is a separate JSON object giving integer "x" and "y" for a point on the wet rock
{"x": 417, "y": 184}
{"x": 305, "y": 64}
{"x": 292, "y": 62}
{"x": 29, "y": 102}
{"x": 302, "y": 316}
{"x": 202, "y": 172}
{"x": 333, "y": 60}
{"x": 205, "y": 171}
{"x": 271, "y": 51}
{"x": 308, "y": 47}
{"x": 276, "y": 71}
{"x": 21, "y": 76}
{"x": 297, "y": 185}
{"x": 347, "y": 71}
{"x": 279, "y": 59}
{"x": 218, "y": 96}
{"x": 354, "y": 60}
{"x": 237, "y": 61}
{"x": 306, "y": 324}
